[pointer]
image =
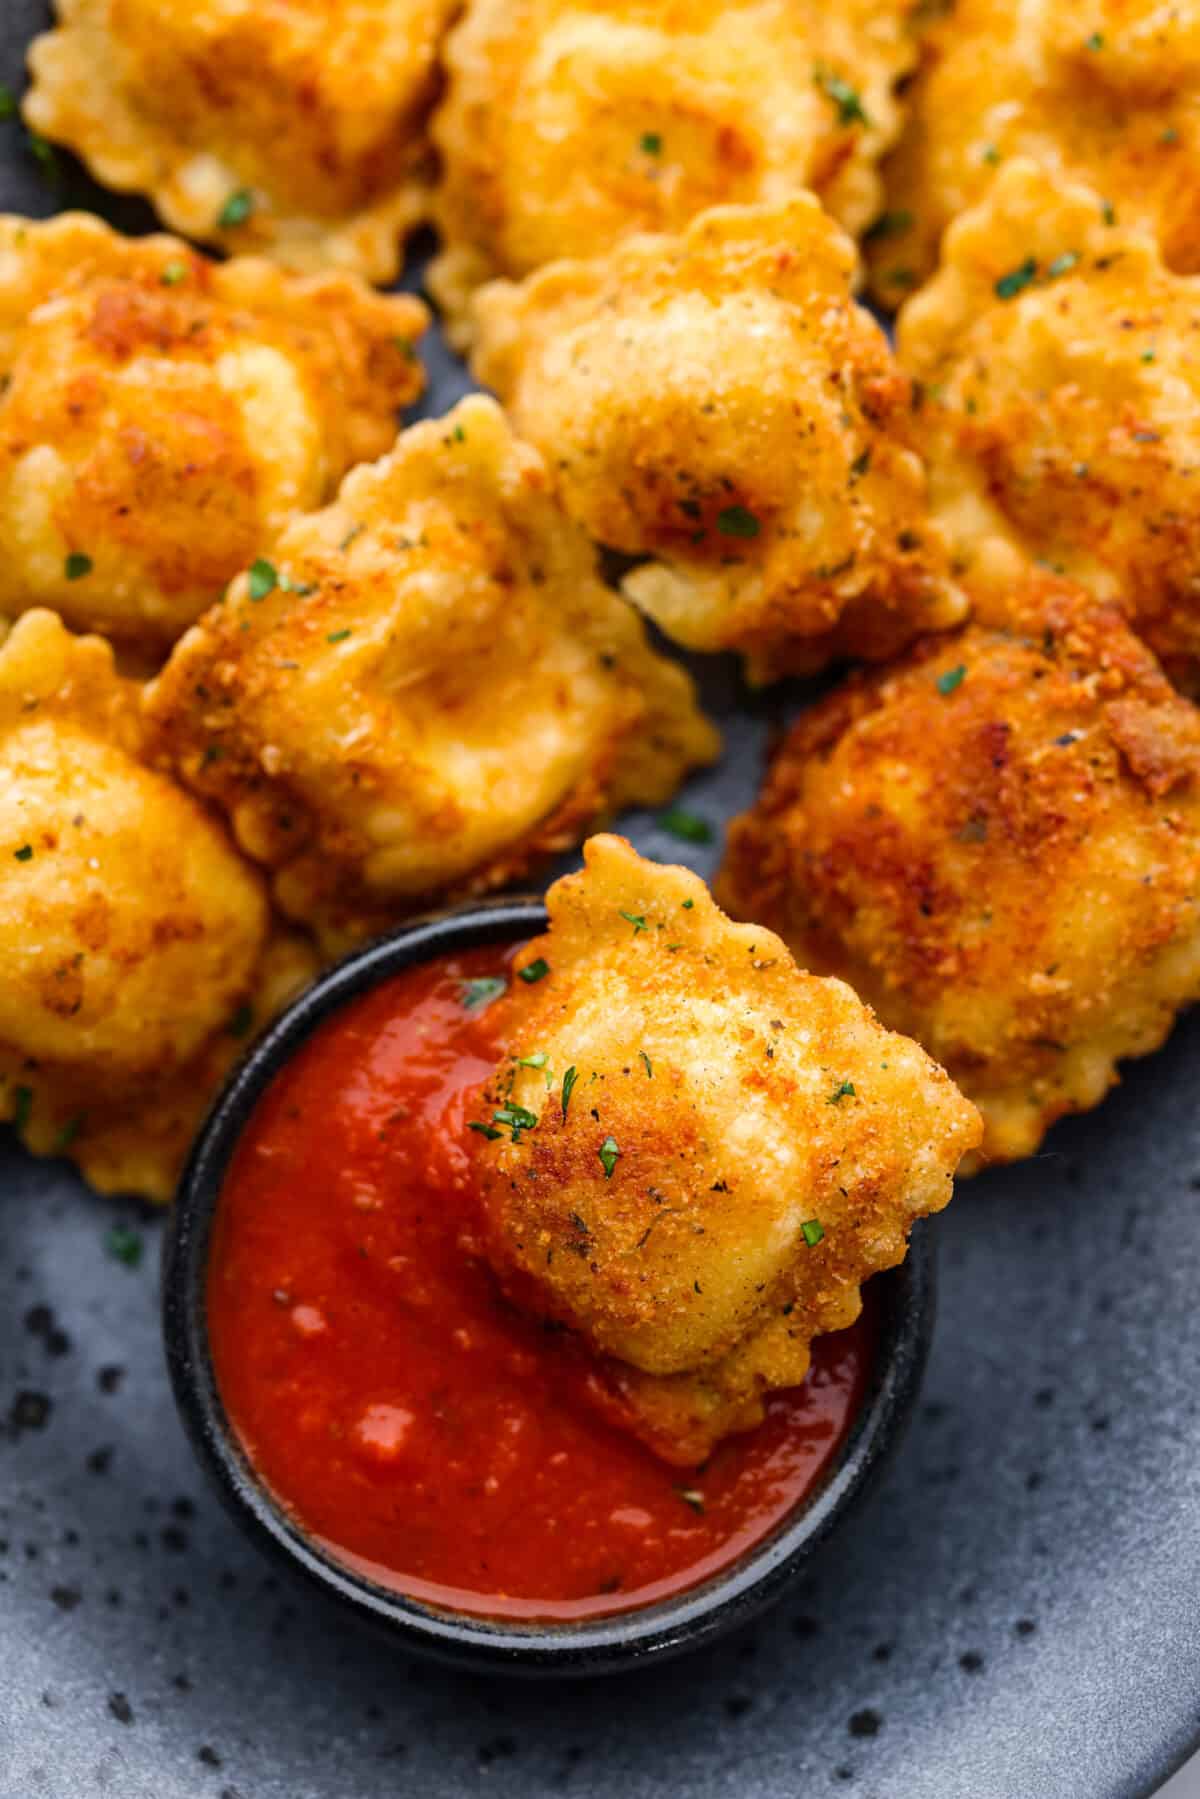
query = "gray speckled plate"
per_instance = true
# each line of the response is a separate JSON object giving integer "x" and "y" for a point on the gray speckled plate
{"x": 1016, "y": 1615}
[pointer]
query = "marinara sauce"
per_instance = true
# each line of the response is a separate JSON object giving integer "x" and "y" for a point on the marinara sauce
{"x": 411, "y": 1421}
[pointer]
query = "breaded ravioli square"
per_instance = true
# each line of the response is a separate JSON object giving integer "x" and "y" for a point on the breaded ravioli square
{"x": 694, "y": 1153}
{"x": 997, "y": 841}
{"x": 295, "y": 128}
{"x": 136, "y": 946}
{"x": 1060, "y": 363}
{"x": 718, "y": 402}
{"x": 1102, "y": 91}
{"x": 569, "y": 124}
{"x": 425, "y": 689}
{"x": 162, "y": 414}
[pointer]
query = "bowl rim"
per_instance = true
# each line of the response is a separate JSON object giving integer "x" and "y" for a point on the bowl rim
{"x": 905, "y": 1296}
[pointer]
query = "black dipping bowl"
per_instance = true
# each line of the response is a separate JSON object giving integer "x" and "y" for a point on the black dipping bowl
{"x": 904, "y": 1298}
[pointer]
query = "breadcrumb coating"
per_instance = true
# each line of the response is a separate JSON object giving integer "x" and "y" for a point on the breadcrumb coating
{"x": 619, "y": 116}
{"x": 135, "y": 944}
{"x": 997, "y": 841}
{"x": 426, "y": 689}
{"x": 1060, "y": 364}
{"x": 717, "y": 402}
{"x": 292, "y": 128}
{"x": 697, "y": 1152}
{"x": 162, "y": 414}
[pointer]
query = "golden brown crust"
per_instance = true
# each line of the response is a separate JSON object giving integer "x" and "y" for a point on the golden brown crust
{"x": 132, "y": 937}
{"x": 1107, "y": 92}
{"x": 161, "y": 415}
{"x": 436, "y": 692}
{"x": 634, "y": 115}
{"x": 717, "y": 401}
{"x": 1060, "y": 362}
{"x": 722, "y": 1101}
{"x": 294, "y": 130}
{"x": 998, "y": 842}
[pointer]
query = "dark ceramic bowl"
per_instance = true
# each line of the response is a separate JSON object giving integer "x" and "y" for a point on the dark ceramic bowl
{"x": 904, "y": 1298}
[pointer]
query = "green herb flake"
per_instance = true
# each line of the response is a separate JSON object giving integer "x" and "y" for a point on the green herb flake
{"x": 688, "y": 904}
{"x": 568, "y": 1087}
{"x": 44, "y": 154}
{"x": 8, "y": 102}
{"x": 846, "y": 98}
{"x": 77, "y": 566}
{"x": 124, "y": 1245}
{"x": 1108, "y": 213}
{"x": 22, "y": 1106}
{"x": 649, "y": 1064}
{"x": 689, "y": 827}
{"x": 952, "y": 678}
{"x": 608, "y": 1152}
{"x": 1062, "y": 265}
{"x": 812, "y": 1231}
{"x": 485, "y": 1130}
{"x": 637, "y": 920}
{"x": 24, "y": 854}
{"x": 536, "y": 971}
{"x": 888, "y": 224}
{"x": 538, "y": 1059}
{"x": 905, "y": 278}
{"x": 337, "y": 636}
{"x": 242, "y": 1020}
{"x": 651, "y": 142}
{"x": 1010, "y": 285}
{"x": 517, "y": 1118}
{"x": 989, "y": 154}
{"x": 737, "y": 521}
{"x": 173, "y": 273}
{"x": 236, "y": 210}
{"x": 475, "y": 995}
{"x": 1095, "y": 42}
{"x": 263, "y": 579}
{"x": 692, "y": 1496}
{"x": 68, "y": 1134}
{"x": 1148, "y": 356}
{"x": 845, "y": 1091}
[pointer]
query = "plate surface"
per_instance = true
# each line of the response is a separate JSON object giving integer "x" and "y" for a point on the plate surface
{"x": 1016, "y": 1614}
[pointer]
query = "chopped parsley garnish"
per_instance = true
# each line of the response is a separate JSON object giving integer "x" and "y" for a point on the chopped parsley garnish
{"x": 25, "y": 853}
{"x": 812, "y": 1231}
{"x": 888, "y": 224}
{"x": 845, "y": 1091}
{"x": 737, "y": 521}
{"x": 850, "y": 107}
{"x": 77, "y": 566}
{"x": 337, "y": 636}
{"x": 1095, "y": 42}
{"x": 651, "y": 142}
{"x": 480, "y": 992}
{"x": 1062, "y": 265}
{"x": 568, "y": 1087}
{"x": 952, "y": 678}
{"x": 990, "y": 154}
{"x": 538, "y": 1059}
{"x": 173, "y": 273}
{"x": 517, "y": 1118}
{"x": 1148, "y": 355}
{"x": 608, "y": 1152}
{"x": 8, "y": 101}
{"x": 692, "y": 1496}
{"x": 124, "y": 1245}
{"x": 688, "y": 904}
{"x": 44, "y": 154}
{"x": 485, "y": 1130}
{"x": 689, "y": 827}
{"x": 649, "y": 1064}
{"x": 1108, "y": 213}
{"x": 1010, "y": 285}
{"x": 68, "y": 1134}
{"x": 242, "y": 1020}
{"x": 637, "y": 920}
{"x": 263, "y": 579}
{"x": 22, "y": 1106}
{"x": 536, "y": 971}
{"x": 237, "y": 209}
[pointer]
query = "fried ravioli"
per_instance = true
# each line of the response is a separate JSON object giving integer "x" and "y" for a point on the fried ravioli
{"x": 1060, "y": 362}
{"x": 135, "y": 944}
{"x": 161, "y": 415}
{"x": 426, "y": 690}
{"x": 718, "y": 402}
{"x": 569, "y": 124}
{"x": 997, "y": 841}
{"x": 1106, "y": 92}
{"x": 294, "y": 128}
{"x": 694, "y": 1153}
